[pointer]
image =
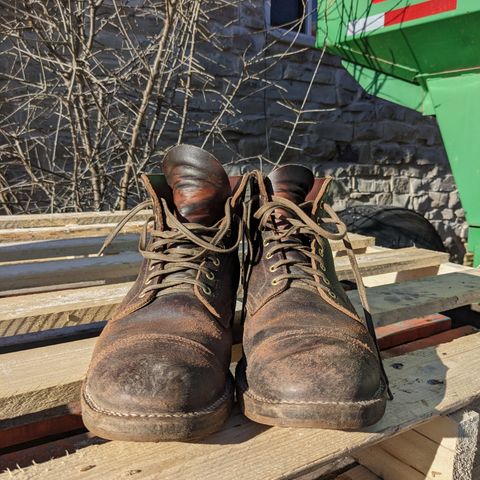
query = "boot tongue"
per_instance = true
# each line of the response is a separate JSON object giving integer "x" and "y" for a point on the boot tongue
{"x": 292, "y": 182}
{"x": 199, "y": 184}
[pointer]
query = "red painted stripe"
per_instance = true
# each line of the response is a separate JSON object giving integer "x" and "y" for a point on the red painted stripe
{"x": 420, "y": 10}
{"x": 378, "y": 1}
{"x": 389, "y": 336}
{"x": 434, "y": 340}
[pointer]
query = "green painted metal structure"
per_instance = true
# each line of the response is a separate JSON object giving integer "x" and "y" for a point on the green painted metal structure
{"x": 425, "y": 55}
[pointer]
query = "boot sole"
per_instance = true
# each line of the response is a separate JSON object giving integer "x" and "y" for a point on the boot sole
{"x": 332, "y": 415}
{"x": 177, "y": 426}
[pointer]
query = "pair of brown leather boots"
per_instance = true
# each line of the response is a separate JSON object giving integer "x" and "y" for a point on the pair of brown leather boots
{"x": 160, "y": 369}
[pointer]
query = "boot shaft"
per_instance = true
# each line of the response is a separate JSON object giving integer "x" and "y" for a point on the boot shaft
{"x": 190, "y": 244}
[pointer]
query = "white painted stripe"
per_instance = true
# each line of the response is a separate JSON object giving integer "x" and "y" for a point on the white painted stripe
{"x": 363, "y": 25}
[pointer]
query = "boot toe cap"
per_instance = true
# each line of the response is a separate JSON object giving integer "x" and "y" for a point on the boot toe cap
{"x": 147, "y": 377}
{"x": 315, "y": 369}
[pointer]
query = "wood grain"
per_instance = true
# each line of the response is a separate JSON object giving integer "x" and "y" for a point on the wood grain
{"x": 379, "y": 262}
{"x": 41, "y": 378}
{"x": 82, "y": 246}
{"x": 44, "y": 311}
{"x": 429, "y": 383}
{"x": 110, "y": 268}
{"x": 386, "y": 466}
{"x": 389, "y": 303}
{"x": 124, "y": 266}
{"x": 64, "y": 231}
{"x": 421, "y": 453}
{"x": 444, "y": 447}
{"x": 399, "y": 301}
{"x": 62, "y": 219}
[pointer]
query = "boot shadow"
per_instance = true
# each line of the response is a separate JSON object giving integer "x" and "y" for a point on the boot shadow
{"x": 237, "y": 429}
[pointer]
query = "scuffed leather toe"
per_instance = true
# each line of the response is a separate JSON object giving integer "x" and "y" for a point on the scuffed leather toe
{"x": 153, "y": 374}
{"x": 313, "y": 369}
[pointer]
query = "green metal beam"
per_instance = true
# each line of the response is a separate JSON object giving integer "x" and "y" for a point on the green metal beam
{"x": 456, "y": 101}
{"x": 424, "y": 55}
{"x": 410, "y": 95}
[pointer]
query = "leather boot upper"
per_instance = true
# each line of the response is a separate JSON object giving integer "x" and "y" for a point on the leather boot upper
{"x": 303, "y": 340}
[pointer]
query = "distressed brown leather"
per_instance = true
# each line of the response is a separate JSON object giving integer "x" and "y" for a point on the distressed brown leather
{"x": 309, "y": 360}
{"x": 160, "y": 369}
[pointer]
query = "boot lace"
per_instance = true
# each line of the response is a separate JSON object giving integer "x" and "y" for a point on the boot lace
{"x": 291, "y": 234}
{"x": 178, "y": 252}
{"x": 287, "y": 235}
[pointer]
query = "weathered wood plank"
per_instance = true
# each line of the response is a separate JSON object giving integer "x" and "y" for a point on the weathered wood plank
{"x": 41, "y": 378}
{"x": 358, "y": 242}
{"x": 389, "y": 303}
{"x": 444, "y": 447}
{"x": 81, "y": 246}
{"x": 110, "y": 268}
{"x": 386, "y": 466}
{"x": 459, "y": 434}
{"x": 124, "y": 266}
{"x": 65, "y": 231}
{"x": 51, "y": 288}
{"x": 44, "y": 311}
{"x": 431, "y": 382}
{"x": 379, "y": 262}
{"x": 43, "y": 452}
{"x": 399, "y": 301}
{"x": 65, "y": 219}
{"x": 413, "y": 274}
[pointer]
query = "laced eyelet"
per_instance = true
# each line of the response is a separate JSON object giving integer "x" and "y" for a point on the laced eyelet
{"x": 207, "y": 290}
{"x": 268, "y": 256}
{"x": 149, "y": 281}
{"x": 142, "y": 294}
{"x": 274, "y": 282}
{"x": 323, "y": 268}
{"x": 216, "y": 261}
{"x": 266, "y": 243}
{"x": 332, "y": 294}
{"x": 151, "y": 267}
{"x": 210, "y": 275}
{"x": 273, "y": 268}
{"x": 326, "y": 281}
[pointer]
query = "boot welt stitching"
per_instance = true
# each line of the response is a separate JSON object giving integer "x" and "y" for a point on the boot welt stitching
{"x": 91, "y": 403}
{"x": 247, "y": 391}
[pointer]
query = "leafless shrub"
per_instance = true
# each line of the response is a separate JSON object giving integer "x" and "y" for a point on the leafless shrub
{"x": 89, "y": 99}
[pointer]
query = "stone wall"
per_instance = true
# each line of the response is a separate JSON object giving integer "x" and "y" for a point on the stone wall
{"x": 380, "y": 153}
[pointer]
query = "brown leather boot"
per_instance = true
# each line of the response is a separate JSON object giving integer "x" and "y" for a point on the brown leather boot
{"x": 309, "y": 360}
{"x": 160, "y": 369}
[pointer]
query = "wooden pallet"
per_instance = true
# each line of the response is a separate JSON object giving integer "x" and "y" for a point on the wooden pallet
{"x": 53, "y": 291}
